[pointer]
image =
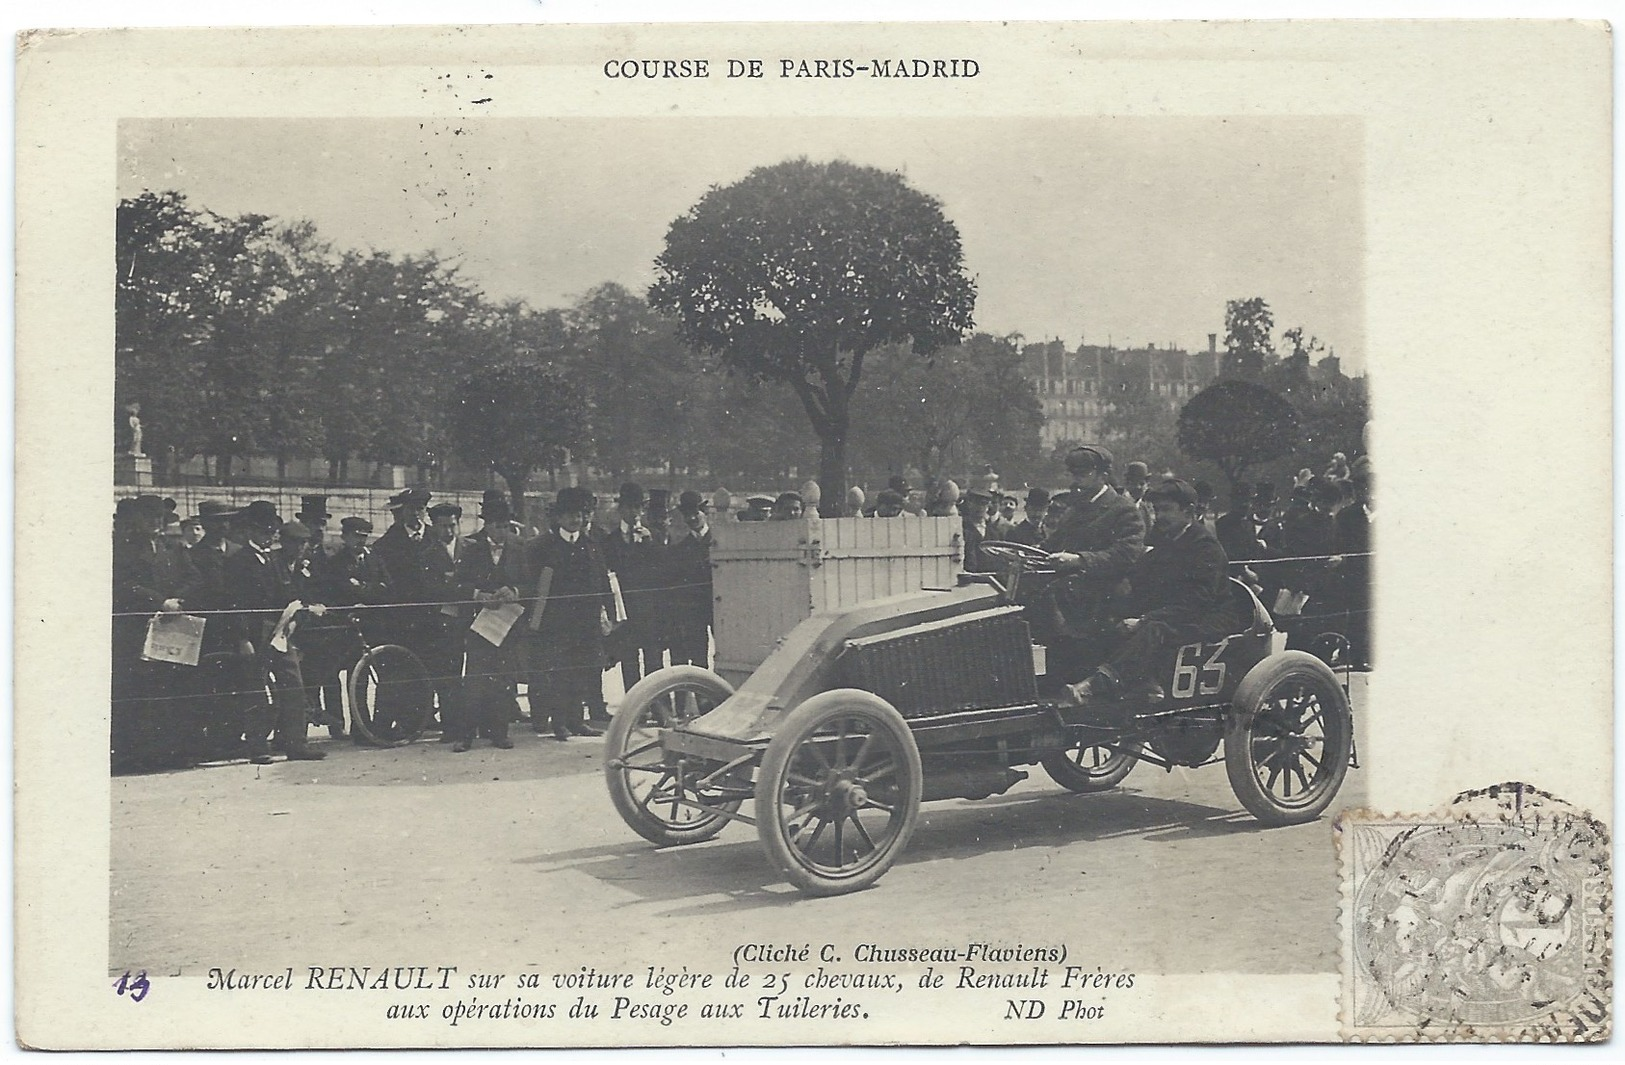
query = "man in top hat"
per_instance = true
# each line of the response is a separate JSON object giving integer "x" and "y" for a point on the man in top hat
{"x": 1030, "y": 529}
{"x": 1093, "y": 548}
{"x": 260, "y": 590}
{"x": 691, "y": 604}
{"x": 151, "y": 574}
{"x": 1180, "y": 594}
{"x": 639, "y": 564}
{"x": 314, "y": 516}
{"x": 563, "y": 581}
{"x": 401, "y": 552}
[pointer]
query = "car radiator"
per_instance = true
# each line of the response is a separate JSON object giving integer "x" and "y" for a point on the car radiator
{"x": 972, "y": 662}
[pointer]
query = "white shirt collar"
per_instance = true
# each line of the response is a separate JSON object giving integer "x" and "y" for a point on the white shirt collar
{"x": 569, "y": 537}
{"x": 1096, "y": 497}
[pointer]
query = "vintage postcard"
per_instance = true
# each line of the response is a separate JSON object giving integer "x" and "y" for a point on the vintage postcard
{"x": 821, "y": 534}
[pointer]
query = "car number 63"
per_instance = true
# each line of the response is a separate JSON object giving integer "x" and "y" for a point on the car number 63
{"x": 1194, "y": 675}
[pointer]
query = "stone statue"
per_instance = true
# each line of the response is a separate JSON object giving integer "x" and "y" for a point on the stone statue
{"x": 134, "y": 410}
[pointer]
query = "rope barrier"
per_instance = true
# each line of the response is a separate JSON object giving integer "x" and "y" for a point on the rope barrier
{"x": 634, "y": 592}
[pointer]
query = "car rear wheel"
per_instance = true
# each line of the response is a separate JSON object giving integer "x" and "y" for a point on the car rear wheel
{"x": 838, "y": 794}
{"x": 653, "y": 792}
{"x": 1086, "y": 767}
{"x": 1290, "y": 735}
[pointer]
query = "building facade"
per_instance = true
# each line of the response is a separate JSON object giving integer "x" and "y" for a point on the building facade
{"x": 1078, "y": 389}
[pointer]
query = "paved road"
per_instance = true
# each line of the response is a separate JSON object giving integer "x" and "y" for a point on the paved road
{"x": 517, "y": 857}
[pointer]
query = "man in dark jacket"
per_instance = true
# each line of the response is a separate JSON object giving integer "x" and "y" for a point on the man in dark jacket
{"x": 565, "y": 585}
{"x": 151, "y": 574}
{"x": 1180, "y": 594}
{"x": 1093, "y": 548}
{"x": 1030, "y": 529}
{"x": 260, "y": 590}
{"x": 638, "y": 563}
{"x": 488, "y": 701}
{"x": 690, "y": 570}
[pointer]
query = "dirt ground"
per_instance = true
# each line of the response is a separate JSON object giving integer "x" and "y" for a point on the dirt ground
{"x": 517, "y": 857}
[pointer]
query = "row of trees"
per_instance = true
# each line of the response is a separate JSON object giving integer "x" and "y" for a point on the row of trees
{"x": 243, "y": 335}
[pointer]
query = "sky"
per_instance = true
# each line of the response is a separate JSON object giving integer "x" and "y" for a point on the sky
{"x": 1089, "y": 229}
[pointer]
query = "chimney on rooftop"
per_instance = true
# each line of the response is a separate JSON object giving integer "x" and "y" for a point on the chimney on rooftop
{"x": 1212, "y": 343}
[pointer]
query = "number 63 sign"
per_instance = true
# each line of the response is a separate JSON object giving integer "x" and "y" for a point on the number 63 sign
{"x": 1195, "y": 675}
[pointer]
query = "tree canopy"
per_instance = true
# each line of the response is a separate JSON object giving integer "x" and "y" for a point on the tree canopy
{"x": 799, "y": 270}
{"x": 518, "y": 417}
{"x": 1237, "y": 424}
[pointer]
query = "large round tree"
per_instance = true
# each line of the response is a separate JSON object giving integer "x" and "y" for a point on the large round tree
{"x": 798, "y": 271}
{"x": 1237, "y": 424}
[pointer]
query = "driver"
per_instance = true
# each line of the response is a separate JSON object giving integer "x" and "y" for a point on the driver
{"x": 1092, "y": 548}
{"x": 1179, "y": 592}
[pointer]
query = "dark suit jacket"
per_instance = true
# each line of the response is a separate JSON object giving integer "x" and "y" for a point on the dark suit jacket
{"x": 255, "y": 582}
{"x": 1238, "y": 535}
{"x": 578, "y": 591}
{"x": 1025, "y": 532}
{"x": 404, "y": 560}
{"x": 1107, "y": 533}
{"x": 1183, "y": 582}
{"x": 355, "y": 577}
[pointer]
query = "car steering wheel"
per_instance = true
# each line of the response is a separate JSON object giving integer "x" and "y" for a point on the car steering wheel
{"x": 1030, "y": 559}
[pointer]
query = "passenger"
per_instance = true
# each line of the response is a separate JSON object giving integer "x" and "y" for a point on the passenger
{"x": 1180, "y": 595}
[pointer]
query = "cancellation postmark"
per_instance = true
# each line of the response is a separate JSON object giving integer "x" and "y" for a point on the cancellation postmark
{"x": 1488, "y": 920}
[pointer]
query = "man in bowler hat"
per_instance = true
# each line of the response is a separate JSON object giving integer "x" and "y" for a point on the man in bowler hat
{"x": 637, "y": 563}
{"x": 491, "y": 669}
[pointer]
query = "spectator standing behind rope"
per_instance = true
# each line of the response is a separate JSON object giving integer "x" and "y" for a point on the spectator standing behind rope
{"x": 447, "y": 623}
{"x": 260, "y": 590}
{"x": 637, "y": 569}
{"x": 488, "y": 700}
{"x": 691, "y": 574}
{"x": 150, "y": 575}
{"x": 566, "y": 585}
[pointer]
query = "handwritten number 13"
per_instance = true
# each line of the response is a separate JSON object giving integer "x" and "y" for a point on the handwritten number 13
{"x": 135, "y": 986}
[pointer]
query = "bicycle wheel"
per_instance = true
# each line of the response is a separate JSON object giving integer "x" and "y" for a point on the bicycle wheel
{"x": 391, "y": 696}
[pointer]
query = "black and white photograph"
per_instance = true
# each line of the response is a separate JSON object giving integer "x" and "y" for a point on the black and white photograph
{"x": 748, "y": 537}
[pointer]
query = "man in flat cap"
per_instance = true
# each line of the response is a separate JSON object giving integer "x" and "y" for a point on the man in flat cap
{"x": 564, "y": 583}
{"x": 1179, "y": 594}
{"x": 1093, "y": 548}
{"x": 259, "y": 590}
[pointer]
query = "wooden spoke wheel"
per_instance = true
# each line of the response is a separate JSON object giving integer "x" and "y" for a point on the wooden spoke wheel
{"x": 838, "y": 794}
{"x": 1086, "y": 767}
{"x": 1289, "y": 740}
{"x": 659, "y": 795}
{"x": 391, "y": 696}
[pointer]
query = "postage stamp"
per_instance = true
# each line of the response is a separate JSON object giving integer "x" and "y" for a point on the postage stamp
{"x": 1490, "y": 920}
